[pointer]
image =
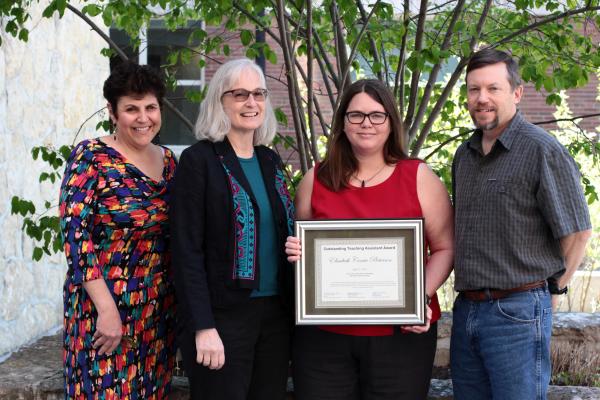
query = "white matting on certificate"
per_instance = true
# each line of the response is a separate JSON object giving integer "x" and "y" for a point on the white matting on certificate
{"x": 359, "y": 272}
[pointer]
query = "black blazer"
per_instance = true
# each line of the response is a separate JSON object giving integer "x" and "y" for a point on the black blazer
{"x": 203, "y": 234}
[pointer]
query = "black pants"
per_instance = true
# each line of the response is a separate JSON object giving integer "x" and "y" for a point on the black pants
{"x": 328, "y": 366}
{"x": 256, "y": 337}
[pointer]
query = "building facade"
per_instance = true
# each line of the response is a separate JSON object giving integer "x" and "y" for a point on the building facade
{"x": 49, "y": 87}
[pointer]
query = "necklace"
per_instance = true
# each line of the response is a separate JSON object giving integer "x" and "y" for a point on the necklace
{"x": 363, "y": 182}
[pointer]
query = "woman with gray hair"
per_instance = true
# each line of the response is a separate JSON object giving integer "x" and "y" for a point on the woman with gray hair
{"x": 230, "y": 216}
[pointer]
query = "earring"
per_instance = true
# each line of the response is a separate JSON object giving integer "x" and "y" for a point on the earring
{"x": 115, "y": 131}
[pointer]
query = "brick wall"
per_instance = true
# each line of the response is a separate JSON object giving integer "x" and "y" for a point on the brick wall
{"x": 582, "y": 101}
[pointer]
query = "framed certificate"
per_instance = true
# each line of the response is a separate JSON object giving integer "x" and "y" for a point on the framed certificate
{"x": 361, "y": 272}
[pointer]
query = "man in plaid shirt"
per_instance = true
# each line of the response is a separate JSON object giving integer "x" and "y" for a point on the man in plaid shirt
{"x": 522, "y": 224}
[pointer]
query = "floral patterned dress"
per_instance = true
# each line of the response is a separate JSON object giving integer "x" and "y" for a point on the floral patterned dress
{"x": 114, "y": 225}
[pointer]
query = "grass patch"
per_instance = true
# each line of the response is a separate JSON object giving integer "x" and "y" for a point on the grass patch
{"x": 575, "y": 365}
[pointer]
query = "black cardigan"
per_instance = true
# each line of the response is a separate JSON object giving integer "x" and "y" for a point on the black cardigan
{"x": 203, "y": 233}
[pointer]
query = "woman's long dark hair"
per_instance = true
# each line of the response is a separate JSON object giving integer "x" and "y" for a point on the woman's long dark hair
{"x": 340, "y": 163}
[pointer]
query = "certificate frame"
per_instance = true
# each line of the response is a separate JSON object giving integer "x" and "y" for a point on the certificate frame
{"x": 342, "y": 275}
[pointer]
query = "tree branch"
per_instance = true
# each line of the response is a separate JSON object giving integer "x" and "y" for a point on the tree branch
{"x": 434, "y": 73}
{"x": 416, "y": 73}
{"x": 437, "y": 108}
{"x": 465, "y": 133}
{"x": 374, "y": 52}
{"x": 340, "y": 45}
{"x": 399, "y": 81}
{"x": 353, "y": 51}
{"x": 543, "y": 22}
{"x": 124, "y": 57}
{"x": 309, "y": 81}
{"x": 322, "y": 51}
{"x": 292, "y": 84}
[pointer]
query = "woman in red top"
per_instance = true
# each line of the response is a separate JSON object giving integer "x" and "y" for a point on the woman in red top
{"x": 367, "y": 174}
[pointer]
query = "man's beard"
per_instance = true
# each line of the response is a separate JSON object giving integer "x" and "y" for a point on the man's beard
{"x": 487, "y": 126}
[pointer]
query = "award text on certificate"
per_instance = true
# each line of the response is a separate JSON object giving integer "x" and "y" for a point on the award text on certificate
{"x": 368, "y": 272}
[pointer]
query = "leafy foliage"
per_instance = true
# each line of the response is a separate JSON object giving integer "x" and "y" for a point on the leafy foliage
{"x": 43, "y": 229}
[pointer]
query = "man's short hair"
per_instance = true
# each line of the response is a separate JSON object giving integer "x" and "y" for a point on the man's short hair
{"x": 486, "y": 57}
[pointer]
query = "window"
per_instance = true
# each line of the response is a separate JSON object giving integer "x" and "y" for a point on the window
{"x": 157, "y": 42}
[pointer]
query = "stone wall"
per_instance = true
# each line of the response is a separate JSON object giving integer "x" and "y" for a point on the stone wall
{"x": 48, "y": 87}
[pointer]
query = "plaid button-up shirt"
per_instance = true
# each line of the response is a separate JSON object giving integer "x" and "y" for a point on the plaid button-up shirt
{"x": 512, "y": 206}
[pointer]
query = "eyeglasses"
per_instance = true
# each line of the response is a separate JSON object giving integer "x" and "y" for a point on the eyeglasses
{"x": 357, "y": 117}
{"x": 241, "y": 95}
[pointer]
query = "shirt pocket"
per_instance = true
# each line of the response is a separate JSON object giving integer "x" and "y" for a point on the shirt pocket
{"x": 507, "y": 195}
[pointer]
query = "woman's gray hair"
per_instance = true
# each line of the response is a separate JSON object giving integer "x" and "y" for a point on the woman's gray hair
{"x": 212, "y": 123}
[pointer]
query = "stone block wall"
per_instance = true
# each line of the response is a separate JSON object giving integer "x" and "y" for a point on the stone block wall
{"x": 48, "y": 87}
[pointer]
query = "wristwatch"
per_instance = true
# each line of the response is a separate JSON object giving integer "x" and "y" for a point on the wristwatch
{"x": 554, "y": 289}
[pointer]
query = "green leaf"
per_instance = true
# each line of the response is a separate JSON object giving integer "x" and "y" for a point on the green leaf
{"x": 11, "y": 27}
{"x": 92, "y": 10}
{"x": 37, "y": 253}
{"x": 57, "y": 244}
{"x": 251, "y": 52}
{"x": 195, "y": 96}
{"x": 377, "y": 67}
{"x": 48, "y": 11}
{"x": 108, "y": 52}
{"x": 47, "y": 238}
{"x": 197, "y": 36}
{"x": 554, "y": 99}
{"x": 24, "y": 34}
{"x": 185, "y": 55}
{"x": 412, "y": 62}
{"x": 15, "y": 205}
{"x": 548, "y": 83}
{"x": 246, "y": 37}
{"x": 466, "y": 48}
{"x": 60, "y": 7}
{"x": 28, "y": 206}
{"x": 107, "y": 17}
{"x": 270, "y": 55}
{"x": 230, "y": 24}
{"x": 281, "y": 117}
{"x": 54, "y": 224}
{"x": 460, "y": 26}
{"x": 65, "y": 151}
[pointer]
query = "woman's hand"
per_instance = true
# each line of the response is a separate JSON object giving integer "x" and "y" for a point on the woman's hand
{"x": 109, "y": 331}
{"x": 420, "y": 328}
{"x": 209, "y": 349}
{"x": 109, "y": 328}
{"x": 293, "y": 248}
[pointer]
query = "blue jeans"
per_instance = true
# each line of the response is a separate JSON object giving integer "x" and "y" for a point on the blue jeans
{"x": 500, "y": 349}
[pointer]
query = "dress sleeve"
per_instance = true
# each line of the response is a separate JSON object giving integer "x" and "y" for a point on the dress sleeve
{"x": 76, "y": 209}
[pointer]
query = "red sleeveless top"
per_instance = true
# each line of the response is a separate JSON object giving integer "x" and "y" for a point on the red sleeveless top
{"x": 396, "y": 197}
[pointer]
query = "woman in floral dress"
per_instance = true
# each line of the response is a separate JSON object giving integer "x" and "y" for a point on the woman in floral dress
{"x": 119, "y": 304}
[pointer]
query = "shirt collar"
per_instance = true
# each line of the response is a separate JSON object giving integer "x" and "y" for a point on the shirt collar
{"x": 506, "y": 139}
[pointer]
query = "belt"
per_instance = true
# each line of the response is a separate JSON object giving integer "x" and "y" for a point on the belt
{"x": 495, "y": 294}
